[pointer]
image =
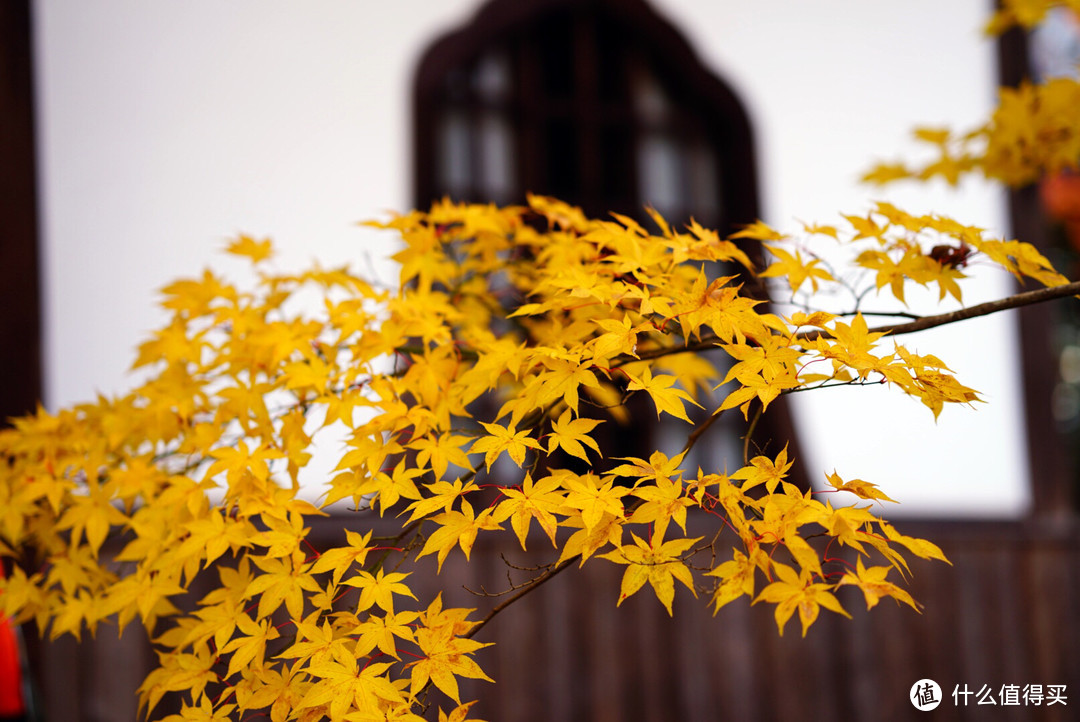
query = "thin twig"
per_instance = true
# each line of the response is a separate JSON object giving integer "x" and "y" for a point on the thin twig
{"x": 394, "y": 543}
{"x": 534, "y": 584}
{"x": 1017, "y": 300}
{"x": 749, "y": 434}
{"x": 696, "y": 433}
{"x": 892, "y": 314}
{"x": 537, "y": 568}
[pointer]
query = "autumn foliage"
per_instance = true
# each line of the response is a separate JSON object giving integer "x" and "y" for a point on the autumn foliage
{"x": 470, "y": 396}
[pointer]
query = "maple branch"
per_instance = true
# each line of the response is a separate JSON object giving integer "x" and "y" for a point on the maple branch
{"x": 892, "y": 314}
{"x": 701, "y": 429}
{"x": 532, "y": 585}
{"x": 1017, "y": 300}
{"x": 408, "y": 529}
{"x": 749, "y": 434}
{"x": 704, "y": 344}
{"x": 834, "y": 385}
{"x": 513, "y": 587}
{"x": 921, "y": 323}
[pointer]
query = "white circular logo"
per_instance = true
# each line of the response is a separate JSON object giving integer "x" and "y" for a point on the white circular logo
{"x": 925, "y": 694}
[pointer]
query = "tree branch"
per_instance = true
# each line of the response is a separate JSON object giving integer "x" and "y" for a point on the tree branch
{"x": 922, "y": 323}
{"x": 532, "y": 585}
{"x": 1017, "y": 300}
{"x": 701, "y": 429}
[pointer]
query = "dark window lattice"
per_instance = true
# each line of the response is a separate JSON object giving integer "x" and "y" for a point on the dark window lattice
{"x": 602, "y": 104}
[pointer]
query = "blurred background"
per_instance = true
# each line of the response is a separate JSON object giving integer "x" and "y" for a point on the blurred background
{"x": 139, "y": 137}
{"x": 166, "y": 128}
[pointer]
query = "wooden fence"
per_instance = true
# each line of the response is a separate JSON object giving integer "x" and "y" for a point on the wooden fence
{"x": 1006, "y": 613}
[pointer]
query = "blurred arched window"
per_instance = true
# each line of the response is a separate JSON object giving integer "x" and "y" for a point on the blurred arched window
{"x": 601, "y": 103}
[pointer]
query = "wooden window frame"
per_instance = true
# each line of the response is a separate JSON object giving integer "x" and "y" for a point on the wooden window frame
{"x": 730, "y": 127}
{"x": 1053, "y": 476}
{"x": 499, "y": 18}
{"x": 20, "y": 306}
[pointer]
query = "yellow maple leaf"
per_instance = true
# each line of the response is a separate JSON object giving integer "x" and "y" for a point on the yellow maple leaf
{"x": 457, "y": 528}
{"x": 866, "y": 227}
{"x": 215, "y": 535}
{"x": 660, "y": 389}
{"x": 763, "y": 470}
{"x": 858, "y": 487}
{"x": 587, "y": 541}
{"x": 659, "y": 563}
{"x": 283, "y": 580}
{"x": 248, "y": 247}
{"x": 873, "y": 585}
{"x": 793, "y": 591}
{"x": 570, "y": 434}
{"x": 883, "y": 173}
{"x": 795, "y": 269}
{"x": 316, "y": 643}
{"x": 562, "y": 381}
{"x": 440, "y": 450}
{"x": 342, "y": 685}
{"x": 736, "y": 578}
{"x": 532, "y": 501}
{"x": 446, "y": 657}
{"x": 620, "y": 337}
{"x": 458, "y": 714}
{"x": 342, "y": 558}
{"x": 659, "y": 467}
{"x": 758, "y": 231}
{"x": 593, "y": 497}
{"x": 443, "y": 496}
{"x": 663, "y": 503}
{"x": 92, "y": 515}
{"x": 381, "y": 632}
{"x": 239, "y": 460}
{"x": 502, "y": 438}
{"x": 846, "y": 524}
{"x": 919, "y": 547}
{"x": 379, "y": 589}
{"x": 851, "y": 345}
{"x": 249, "y": 650}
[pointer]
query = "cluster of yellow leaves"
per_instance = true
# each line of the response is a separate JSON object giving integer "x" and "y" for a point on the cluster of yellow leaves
{"x": 468, "y": 398}
{"x": 1024, "y": 13}
{"x": 1032, "y": 133}
{"x": 896, "y": 249}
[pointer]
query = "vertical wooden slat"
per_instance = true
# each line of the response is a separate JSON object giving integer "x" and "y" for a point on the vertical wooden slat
{"x": 600, "y": 638}
{"x": 857, "y": 648}
{"x": 59, "y": 681}
{"x": 640, "y": 645}
{"x": 117, "y": 668}
{"x": 700, "y": 684}
{"x": 561, "y": 689}
{"x": 1009, "y": 632}
{"x": 738, "y": 659}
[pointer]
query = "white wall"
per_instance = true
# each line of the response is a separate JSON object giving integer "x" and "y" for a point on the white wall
{"x": 168, "y": 126}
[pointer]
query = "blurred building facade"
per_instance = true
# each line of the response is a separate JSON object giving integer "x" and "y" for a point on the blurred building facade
{"x": 607, "y": 104}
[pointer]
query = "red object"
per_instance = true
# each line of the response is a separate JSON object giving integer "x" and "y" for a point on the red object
{"x": 12, "y": 703}
{"x": 1061, "y": 198}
